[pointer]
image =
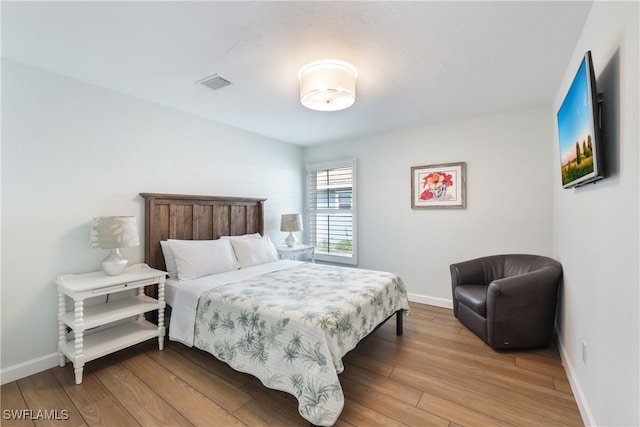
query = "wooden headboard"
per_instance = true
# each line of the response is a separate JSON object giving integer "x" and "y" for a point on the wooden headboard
{"x": 187, "y": 217}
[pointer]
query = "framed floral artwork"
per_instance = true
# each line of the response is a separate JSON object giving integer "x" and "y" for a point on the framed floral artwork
{"x": 438, "y": 186}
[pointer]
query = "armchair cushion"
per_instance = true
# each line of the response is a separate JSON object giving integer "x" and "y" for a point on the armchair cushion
{"x": 474, "y": 297}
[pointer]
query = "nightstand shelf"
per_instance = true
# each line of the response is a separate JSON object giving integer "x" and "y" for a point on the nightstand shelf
{"x": 112, "y": 311}
{"x": 287, "y": 252}
{"x": 121, "y": 320}
{"x": 110, "y": 340}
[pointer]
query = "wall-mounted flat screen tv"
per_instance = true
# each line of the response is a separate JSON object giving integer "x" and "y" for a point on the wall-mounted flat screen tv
{"x": 578, "y": 129}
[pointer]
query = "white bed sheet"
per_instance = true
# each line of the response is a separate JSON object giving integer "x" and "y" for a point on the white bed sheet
{"x": 183, "y": 295}
{"x": 170, "y": 288}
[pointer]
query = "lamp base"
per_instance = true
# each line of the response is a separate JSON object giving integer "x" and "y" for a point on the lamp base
{"x": 291, "y": 240}
{"x": 115, "y": 263}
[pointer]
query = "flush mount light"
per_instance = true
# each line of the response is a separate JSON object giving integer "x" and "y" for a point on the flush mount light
{"x": 328, "y": 85}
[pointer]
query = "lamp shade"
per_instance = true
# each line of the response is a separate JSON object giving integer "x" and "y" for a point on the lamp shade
{"x": 291, "y": 222}
{"x": 112, "y": 232}
{"x": 328, "y": 86}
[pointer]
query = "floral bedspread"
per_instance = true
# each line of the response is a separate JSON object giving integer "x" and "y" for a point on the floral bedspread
{"x": 291, "y": 327}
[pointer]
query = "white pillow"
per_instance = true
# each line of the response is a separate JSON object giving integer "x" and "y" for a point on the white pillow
{"x": 254, "y": 251}
{"x": 243, "y": 236}
{"x": 169, "y": 259}
{"x": 197, "y": 258}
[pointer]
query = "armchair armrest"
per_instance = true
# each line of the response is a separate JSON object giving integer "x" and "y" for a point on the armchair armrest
{"x": 517, "y": 302}
{"x": 530, "y": 287}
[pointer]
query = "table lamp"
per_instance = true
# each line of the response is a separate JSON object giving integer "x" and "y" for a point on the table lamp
{"x": 291, "y": 223}
{"x": 114, "y": 232}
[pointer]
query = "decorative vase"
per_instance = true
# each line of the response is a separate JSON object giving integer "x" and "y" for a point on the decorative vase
{"x": 440, "y": 191}
{"x": 115, "y": 263}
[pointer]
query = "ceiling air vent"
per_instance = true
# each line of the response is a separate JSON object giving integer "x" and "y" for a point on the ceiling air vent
{"x": 214, "y": 82}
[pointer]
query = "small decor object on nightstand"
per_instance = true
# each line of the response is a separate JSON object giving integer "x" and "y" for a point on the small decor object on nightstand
{"x": 291, "y": 223}
{"x": 114, "y": 232}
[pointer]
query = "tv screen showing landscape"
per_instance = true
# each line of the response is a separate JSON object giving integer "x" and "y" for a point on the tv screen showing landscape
{"x": 578, "y": 149}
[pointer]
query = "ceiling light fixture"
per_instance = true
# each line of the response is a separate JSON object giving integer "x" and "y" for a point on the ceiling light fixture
{"x": 328, "y": 85}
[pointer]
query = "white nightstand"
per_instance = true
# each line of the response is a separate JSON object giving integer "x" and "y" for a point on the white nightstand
{"x": 132, "y": 328}
{"x": 285, "y": 252}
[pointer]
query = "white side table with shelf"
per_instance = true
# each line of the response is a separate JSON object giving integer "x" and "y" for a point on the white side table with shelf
{"x": 286, "y": 252}
{"x": 130, "y": 310}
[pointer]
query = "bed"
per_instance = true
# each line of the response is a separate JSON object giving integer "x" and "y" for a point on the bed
{"x": 288, "y": 323}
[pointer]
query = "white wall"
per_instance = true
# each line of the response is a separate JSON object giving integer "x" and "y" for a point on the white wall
{"x": 509, "y": 181}
{"x": 72, "y": 151}
{"x": 596, "y": 235}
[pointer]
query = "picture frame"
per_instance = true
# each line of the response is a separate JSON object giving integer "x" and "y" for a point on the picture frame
{"x": 440, "y": 186}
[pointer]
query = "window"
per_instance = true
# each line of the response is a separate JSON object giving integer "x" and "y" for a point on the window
{"x": 331, "y": 200}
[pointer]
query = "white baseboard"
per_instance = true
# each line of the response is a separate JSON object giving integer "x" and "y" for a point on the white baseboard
{"x": 424, "y": 299}
{"x": 581, "y": 401}
{"x": 30, "y": 367}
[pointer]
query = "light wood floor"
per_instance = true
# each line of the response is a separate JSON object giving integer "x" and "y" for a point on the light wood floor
{"x": 436, "y": 374}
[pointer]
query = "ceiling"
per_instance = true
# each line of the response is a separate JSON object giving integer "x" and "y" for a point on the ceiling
{"x": 418, "y": 63}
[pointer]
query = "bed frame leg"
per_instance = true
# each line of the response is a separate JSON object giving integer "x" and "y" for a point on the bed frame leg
{"x": 399, "y": 322}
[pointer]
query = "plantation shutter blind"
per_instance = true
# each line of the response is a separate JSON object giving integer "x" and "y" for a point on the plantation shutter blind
{"x": 332, "y": 210}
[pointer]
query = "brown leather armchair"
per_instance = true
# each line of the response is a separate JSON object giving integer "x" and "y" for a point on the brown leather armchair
{"x": 509, "y": 301}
